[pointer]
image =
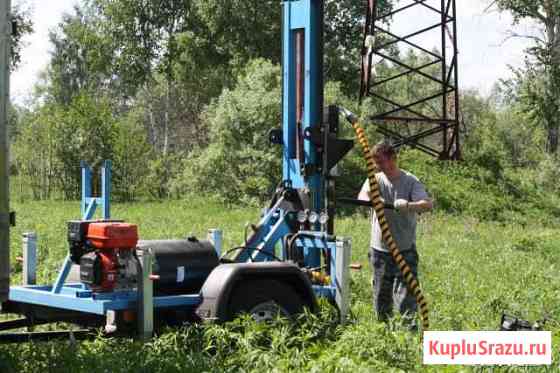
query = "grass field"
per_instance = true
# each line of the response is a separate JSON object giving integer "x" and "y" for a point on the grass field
{"x": 471, "y": 272}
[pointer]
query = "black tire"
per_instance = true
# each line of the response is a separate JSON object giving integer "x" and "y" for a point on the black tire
{"x": 250, "y": 296}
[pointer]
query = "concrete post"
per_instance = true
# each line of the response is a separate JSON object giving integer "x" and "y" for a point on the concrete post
{"x": 146, "y": 296}
{"x": 29, "y": 258}
{"x": 343, "y": 257}
{"x": 216, "y": 237}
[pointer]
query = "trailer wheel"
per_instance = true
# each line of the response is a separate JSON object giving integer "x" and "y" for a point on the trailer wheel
{"x": 264, "y": 300}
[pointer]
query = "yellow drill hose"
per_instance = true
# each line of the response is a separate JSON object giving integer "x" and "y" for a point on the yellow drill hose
{"x": 379, "y": 208}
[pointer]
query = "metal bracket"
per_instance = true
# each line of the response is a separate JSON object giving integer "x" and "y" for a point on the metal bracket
{"x": 310, "y": 169}
{"x": 276, "y": 136}
{"x": 90, "y": 203}
{"x": 15, "y": 28}
{"x": 315, "y": 135}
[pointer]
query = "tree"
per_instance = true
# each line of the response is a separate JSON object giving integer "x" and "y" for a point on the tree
{"x": 161, "y": 52}
{"x": 21, "y": 18}
{"x": 545, "y": 58}
{"x": 247, "y": 29}
{"x": 151, "y": 67}
{"x": 83, "y": 130}
{"x": 34, "y": 157}
{"x": 131, "y": 154}
{"x": 344, "y": 21}
{"x": 239, "y": 163}
{"x": 81, "y": 60}
{"x": 229, "y": 33}
{"x": 149, "y": 39}
{"x": 144, "y": 35}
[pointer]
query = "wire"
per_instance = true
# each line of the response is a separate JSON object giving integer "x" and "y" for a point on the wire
{"x": 294, "y": 237}
{"x": 250, "y": 249}
{"x": 317, "y": 268}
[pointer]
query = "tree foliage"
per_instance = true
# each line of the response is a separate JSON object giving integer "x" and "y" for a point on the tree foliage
{"x": 181, "y": 95}
{"x": 239, "y": 163}
{"x": 21, "y": 19}
{"x": 344, "y": 21}
{"x": 81, "y": 59}
{"x": 56, "y": 139}
{"x": 545, "y": 60}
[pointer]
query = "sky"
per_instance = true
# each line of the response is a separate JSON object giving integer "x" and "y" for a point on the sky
{"x": 484, "y": 52}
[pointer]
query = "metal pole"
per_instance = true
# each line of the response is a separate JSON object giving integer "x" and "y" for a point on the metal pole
{"x": 457, "y": 103}
{"x": 5, "y": 31}
{"x": 106, "y": 189}
{"x": 444, "y": 76}
{"x": 86, "y": 187}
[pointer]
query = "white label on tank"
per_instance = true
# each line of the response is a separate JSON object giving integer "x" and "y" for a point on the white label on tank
{"x": 180, "y": 274}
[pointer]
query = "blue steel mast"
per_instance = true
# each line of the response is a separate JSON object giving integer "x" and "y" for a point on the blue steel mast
{"x": 304, "y": 166}
{"x": 302, "y": 95}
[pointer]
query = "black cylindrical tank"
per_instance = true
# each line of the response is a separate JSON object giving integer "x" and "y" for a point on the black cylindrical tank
{"x": 182, "y": 265}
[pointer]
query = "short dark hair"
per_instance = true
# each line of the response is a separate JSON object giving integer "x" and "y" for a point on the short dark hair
{"x": 386, "y": 149}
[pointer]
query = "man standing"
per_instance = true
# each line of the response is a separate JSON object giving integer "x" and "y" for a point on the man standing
{"x": 409, "y": 197}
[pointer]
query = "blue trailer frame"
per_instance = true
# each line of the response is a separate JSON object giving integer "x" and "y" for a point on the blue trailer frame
{"x": 78, "y": 296}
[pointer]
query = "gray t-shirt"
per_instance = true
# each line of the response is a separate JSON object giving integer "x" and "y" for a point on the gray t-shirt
{"x": 402, "y": 225}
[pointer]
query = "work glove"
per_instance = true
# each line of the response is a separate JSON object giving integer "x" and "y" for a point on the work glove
{"x": 401, "y": 206}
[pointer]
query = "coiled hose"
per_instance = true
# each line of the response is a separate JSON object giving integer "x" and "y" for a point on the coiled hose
{"x": 378, "y": 206}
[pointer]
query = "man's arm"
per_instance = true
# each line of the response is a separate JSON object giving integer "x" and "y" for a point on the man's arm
{"x": 424, "y": 205}
{"x": 364, "y": 192}
{"x": 420, "y": 200}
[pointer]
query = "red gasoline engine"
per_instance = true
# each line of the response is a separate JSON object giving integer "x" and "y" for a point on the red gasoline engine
{"x": 105, "y": 251}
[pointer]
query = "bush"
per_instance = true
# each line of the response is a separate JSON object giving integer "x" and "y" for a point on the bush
{"x": 482, "y": 188}
{"x": 549, "y": 174}
{"x": 131, "y": 160}
{"x": 239, "y": 164}
{"x": 56, "y": 138}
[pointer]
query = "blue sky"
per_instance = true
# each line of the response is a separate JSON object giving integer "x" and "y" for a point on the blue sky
{"x": 484, "y": 56}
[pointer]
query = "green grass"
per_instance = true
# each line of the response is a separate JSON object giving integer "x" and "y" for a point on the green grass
{"x": 471, "y": 271}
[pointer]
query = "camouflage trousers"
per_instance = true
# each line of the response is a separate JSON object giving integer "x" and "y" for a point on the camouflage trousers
{"x": 389, "y": 286}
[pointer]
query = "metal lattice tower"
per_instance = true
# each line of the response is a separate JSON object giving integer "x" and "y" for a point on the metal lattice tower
{"x": 428, "y": 121}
